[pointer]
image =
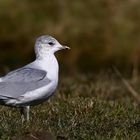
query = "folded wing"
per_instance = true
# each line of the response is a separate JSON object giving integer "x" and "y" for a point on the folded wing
{"x": 17, "y": 83}
{"x": 24, "y": 75}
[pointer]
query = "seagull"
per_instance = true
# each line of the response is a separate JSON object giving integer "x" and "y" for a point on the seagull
{"x": 34, "y": 83}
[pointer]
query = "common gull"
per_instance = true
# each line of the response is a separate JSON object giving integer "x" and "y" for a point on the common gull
{"x": 35, "y": 82}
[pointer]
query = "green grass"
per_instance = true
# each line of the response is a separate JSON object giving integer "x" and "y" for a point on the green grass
{"x": 85, "y": 107}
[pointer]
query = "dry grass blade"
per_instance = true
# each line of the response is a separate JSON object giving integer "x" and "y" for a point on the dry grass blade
{"x": 127, "y": 85}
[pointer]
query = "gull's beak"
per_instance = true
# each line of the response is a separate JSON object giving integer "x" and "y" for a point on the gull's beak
{"x": 65, "y": 47}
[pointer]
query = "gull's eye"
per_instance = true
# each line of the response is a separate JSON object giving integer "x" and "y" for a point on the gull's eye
{"x": 51, "y": 43}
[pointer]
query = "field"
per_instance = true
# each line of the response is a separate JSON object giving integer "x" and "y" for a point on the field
{"x": 85, "y": 107}
{"x": 90, "y": 103}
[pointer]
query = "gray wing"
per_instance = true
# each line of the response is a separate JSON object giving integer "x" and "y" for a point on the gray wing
{"x": 24, "y": 75}
{"x": 19, "y": 82}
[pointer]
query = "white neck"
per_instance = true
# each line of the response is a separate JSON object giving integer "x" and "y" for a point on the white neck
{"x": 48, "y": 63}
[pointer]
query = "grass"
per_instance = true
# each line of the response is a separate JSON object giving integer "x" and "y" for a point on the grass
{"x": 85, "y": 107}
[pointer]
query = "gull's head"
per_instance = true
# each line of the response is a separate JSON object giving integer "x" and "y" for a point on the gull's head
{"x": 47, "y": 44}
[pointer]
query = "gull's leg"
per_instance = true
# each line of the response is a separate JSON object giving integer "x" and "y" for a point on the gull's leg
{"x": 27, "y": 113}
{"x": 22, "y": 114}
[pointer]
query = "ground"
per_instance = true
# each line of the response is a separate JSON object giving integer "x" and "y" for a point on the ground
{"x": 85, "y": 107}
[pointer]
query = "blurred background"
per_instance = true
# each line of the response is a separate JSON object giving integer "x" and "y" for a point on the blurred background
{"x": 101, "y": 33}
